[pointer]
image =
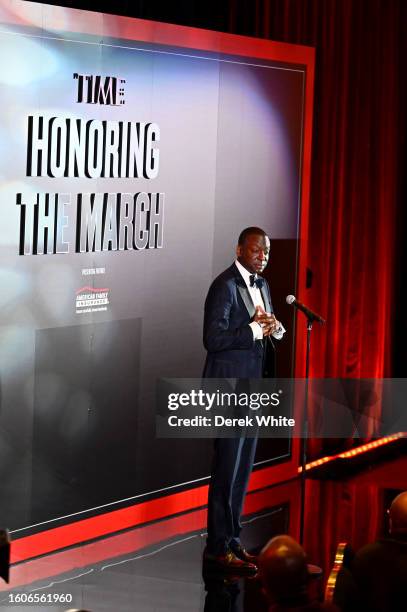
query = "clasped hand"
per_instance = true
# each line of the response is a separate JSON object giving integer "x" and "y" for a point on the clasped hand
{"x": 266, "y": 320}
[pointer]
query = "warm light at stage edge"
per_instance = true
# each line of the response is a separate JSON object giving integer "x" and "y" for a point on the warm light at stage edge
{"x": 354, "y": 452}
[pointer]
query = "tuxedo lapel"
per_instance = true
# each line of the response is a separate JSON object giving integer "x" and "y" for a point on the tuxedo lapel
{"x": 266, "y": 299}
{"x": 245, "y": 295}
{"x": 244, "y": 292}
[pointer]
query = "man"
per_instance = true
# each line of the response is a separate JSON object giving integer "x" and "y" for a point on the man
{"x": 238, "y": 323}
{"x": 379, "y": 569}
{"x": 286, "y": 576}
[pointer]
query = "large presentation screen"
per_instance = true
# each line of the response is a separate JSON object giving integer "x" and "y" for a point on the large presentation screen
{"x": 132, "y": 154}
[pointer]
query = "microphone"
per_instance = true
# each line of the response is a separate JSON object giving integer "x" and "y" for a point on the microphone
{"x": 311, "y": 316}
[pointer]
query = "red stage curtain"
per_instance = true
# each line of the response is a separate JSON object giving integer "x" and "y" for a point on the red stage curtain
{"x": 360, "y": 91}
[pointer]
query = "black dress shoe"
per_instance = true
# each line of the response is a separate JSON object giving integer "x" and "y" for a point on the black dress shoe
{"x": 229, "y": 562}
{"x": 241, "y": 553}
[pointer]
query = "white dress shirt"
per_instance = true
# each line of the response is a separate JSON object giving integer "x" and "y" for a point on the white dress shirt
{"x": 257, "y": 300}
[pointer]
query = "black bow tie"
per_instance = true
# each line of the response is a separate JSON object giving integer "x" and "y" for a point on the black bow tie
{"x": 256, "y": 280}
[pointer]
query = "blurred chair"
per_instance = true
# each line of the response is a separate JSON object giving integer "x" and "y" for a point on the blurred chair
{"x": 341, "y": 587}
{"x": 4, "y": 555}
{"x": 343, "y": 557}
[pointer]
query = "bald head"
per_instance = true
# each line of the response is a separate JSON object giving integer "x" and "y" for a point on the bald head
{"x": 398, "y": 515}
{"x": 283, "y": 569}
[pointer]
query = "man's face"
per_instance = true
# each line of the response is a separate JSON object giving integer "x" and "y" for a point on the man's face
{"x": 254, "y": 253}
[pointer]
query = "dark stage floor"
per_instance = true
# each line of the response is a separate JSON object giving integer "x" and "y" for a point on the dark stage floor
{"x": 157, "y": 568}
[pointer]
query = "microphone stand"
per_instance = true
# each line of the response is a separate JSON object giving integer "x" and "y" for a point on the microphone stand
{"x": 304, "y": 438}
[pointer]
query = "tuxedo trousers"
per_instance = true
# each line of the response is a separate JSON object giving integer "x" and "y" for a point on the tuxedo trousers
{"x": 231, "y": 469}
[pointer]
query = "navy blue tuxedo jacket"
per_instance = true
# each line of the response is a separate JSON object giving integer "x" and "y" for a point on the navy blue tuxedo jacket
{"x": 228, "y": 337}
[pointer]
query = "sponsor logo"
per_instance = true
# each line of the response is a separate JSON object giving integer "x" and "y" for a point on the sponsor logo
{"x": 92, "y": 299}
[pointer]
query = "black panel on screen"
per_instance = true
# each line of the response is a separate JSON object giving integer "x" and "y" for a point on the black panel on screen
{"x": 85, "y": 416}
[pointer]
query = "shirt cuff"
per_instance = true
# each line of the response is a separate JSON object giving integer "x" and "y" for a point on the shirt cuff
{"x": 279, "y": 333}
{"x": 257, "y": 330}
